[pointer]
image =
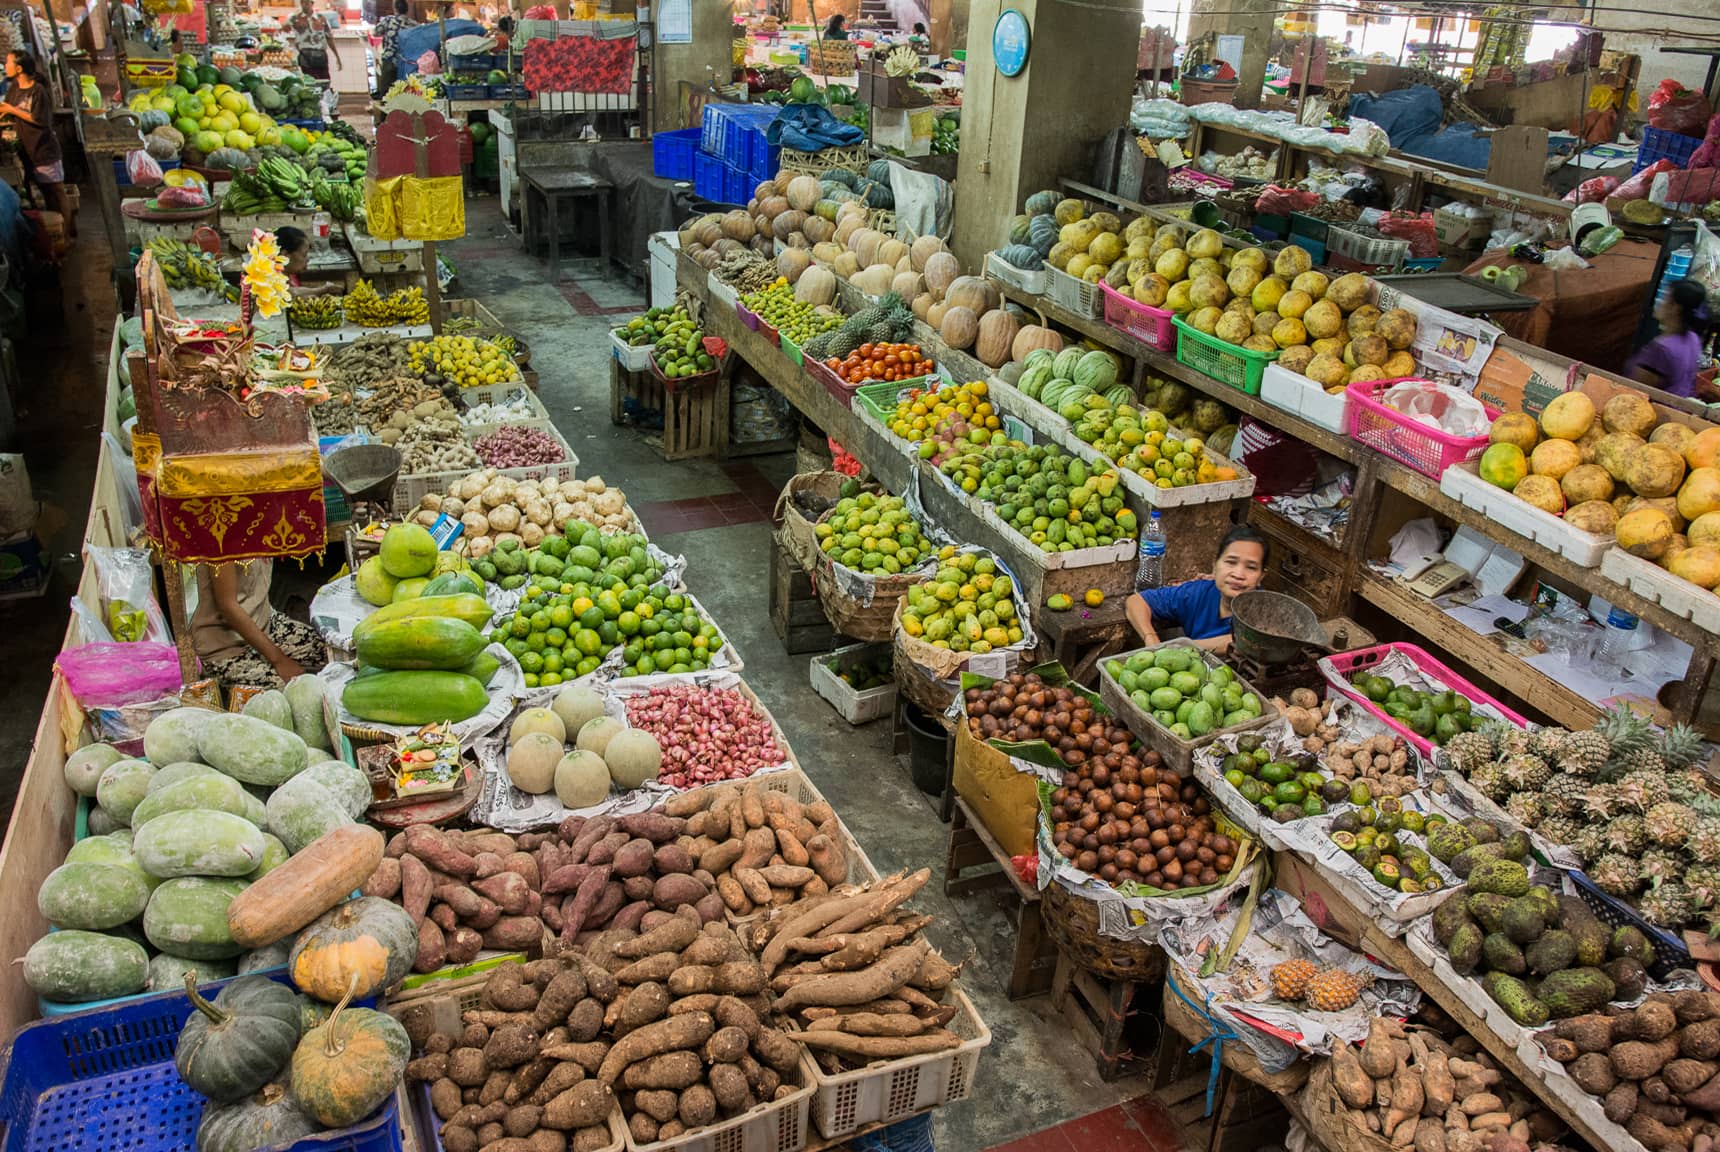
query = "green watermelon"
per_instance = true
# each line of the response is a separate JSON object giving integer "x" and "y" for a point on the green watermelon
{"x": 207, "y": 74}
{"x": 270, "y": 98}
{"x": 496, "y": 76}
{"x": 803, "y": 91}
{"x": 187, "y": 77}
{"x": 229, "y": 76}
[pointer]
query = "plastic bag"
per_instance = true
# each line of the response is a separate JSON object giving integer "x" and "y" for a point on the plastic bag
{"x": 126, "y": 582}
{"x": 1636, "y": 188}
{"x": 429, "y": 64}
{"x": 1708, "y": 154}
{"x": 1675, "y": 108}
{"x": 1451, "y": 410}
{"x": 108, "y": 674}
{"x": 1418, "y": 230}
{"x": 1592, "y": 191}
{"x": 143, "y": 169}
{"x": 1283, "y": 201}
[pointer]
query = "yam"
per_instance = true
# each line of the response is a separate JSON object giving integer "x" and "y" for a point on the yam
{"x": 495, "y": 1087}
{"x": 527, "y": 1077}
{"x": 776, "y": 1050}
{"x": 642, "y": 1128}
{"x": 869, "y": 1048}
{"x": 705, "y": 950}
{"x": 734, "y": 894}
{"x": 726, "y": 1045}
{"x": 647, "y": 1002}
{"x": 698, "y": 1106}
{"x": 729, "y": 1086}
{"x": 565, "y": 989}
{"x": 593, "y": 1139}
{"x": 585, "y": 1022}
{"x": 563, "y": 1076}
{"x": 671, "y": 937}
{"x": 658, "y": 1103}
{"x": 466, "y": 1067}
{"x": 521, "y": 1121}
{"x": 657, "y": 967}
{"x": 458, "y": 1138}
{"x": 444, "y": 1098}
{"x": 671, "y": 1034}
{"x": 582, "y": 1106}
{"x": 670, "y": 1070}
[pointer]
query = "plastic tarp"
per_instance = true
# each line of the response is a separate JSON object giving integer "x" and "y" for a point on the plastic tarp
{"x": 811, "y": 128}
{"x": 415, "y": 41}
{"x": 1412, "y": 117}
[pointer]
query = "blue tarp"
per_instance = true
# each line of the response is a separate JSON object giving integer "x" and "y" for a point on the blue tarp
{"x": 811, "y": 128}
{"x": 414, "y": 42}
{"x": 1411, "y": 117}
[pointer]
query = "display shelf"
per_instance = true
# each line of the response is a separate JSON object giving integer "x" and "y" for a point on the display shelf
{"x": 1534, "y": 687}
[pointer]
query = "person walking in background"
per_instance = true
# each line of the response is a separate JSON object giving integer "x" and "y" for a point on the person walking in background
{"x": 310, "y": 33}
{"x": 29, "y": 112}
{"x": 1670, "y": 361}
{"x": 388, "y": 31}
{"x": 836, "y": 28}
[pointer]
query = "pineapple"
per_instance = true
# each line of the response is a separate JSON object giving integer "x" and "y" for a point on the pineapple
{"x": 1703, "y": 881}
{"x": 1643, "y": 788}
{"x": 1547, "y": 742}
{"x": 1602, "y": 801}
{"x": 1670, "y": 823}
{"x": 1290, "y": 979}
{"x": 1590, "y": 843}
{"x": 1584, "y": 753}
{"x": 1661, "y": 864}
{"x": 1617, "y": 874}
{"x": 1644, "y": 761}
{"x": 1527, "y": 773}
{"x": 1682, "y": 746}
{"x": 1687, "y": 785}
{"x": 1563, "y": 795}
{"x": 1627, "y": 834}
{"x": 1560, "y": 829}
{"x": 1704, "y": 842}
{"x": 1623, "y": 730}
{"x": 1334, "y": 989}
{"x": 1668, "y": 904}
{"x": 1509, "y": 741}
{"x": 1469, "y": 751}
{"x": 1489, "y": 779}
{"x": 1525, "y": 808}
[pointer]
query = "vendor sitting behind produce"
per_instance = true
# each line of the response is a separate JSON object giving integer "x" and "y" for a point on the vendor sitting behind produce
{"x": 1670, "y": 361}
{"x": 1201, "y": 608}
{"x": 296, "y": 247}
{"x": 240, "y": 637}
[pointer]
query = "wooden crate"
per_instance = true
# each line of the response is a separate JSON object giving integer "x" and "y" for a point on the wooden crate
{"x": 695, "y": 420}
{"x": 1097, "y": 1012}
{"x": 795, "y": 612}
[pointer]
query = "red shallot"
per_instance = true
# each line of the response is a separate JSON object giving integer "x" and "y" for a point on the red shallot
{"x": 707, "y": 734}
{"x": 515, "y": 446}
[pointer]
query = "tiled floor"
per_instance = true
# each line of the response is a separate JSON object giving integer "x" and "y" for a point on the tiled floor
{"x": 1133, "y": 1126}
{"x": 754, "y": 500}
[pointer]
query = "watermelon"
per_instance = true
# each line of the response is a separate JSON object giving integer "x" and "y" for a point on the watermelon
{"x": 804, "y": 91}
{"x": 206, "y": 74}
{"x": 229, "y": 76}
{"x": 187, "y": 78}
{"x": 496, "y": 76}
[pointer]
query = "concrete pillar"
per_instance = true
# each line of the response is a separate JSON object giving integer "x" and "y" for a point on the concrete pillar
{"x": 1250, "y": 19}
{"x": 1020, "y": 133}
{"x": 947, "y": 25}
{"x": 708, "y": 60}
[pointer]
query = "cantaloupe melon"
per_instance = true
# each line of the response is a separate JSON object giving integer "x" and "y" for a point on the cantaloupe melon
{"x": 596, "y": 734}
{"x": 531, "y": 762}
{"x": 581, "y": 779}
{"x": 633, "y": 756}
{"x": 542, "y": 720}
{"x": 576, "y": 704}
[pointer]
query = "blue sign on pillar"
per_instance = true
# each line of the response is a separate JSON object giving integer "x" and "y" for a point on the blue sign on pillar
{"x": 1010, "y": 41}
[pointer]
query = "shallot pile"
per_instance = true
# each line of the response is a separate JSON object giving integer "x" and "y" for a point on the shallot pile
{"x": 707, "y": 734}
{"x": 516, "y": 446}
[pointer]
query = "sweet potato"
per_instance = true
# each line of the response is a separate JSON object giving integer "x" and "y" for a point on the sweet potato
{"x": 654, "y": 919}
{"x": 674, "y": 889}
{"x": 514, "y": 934}
{"x": 671, "y": 859}
{"x": 785, "y": 875}
{"x": 609, "y": 902}
{"x": 631, "y": 916}
{"x": 432, "y": 947}
{"x": 828, "y": 859}
{"x": 684, "y": 804}
{"x": 871, "y": 1024}
{"x": 385, "y": 880}
{"x": 734, "y": 894}
{"x": 676, "y": 934}
{"x": 585, "y": 1104}
{"x": 789, "y": 847}
{"x": 633, "y": 858}
{"x": 676, "y": 1032}
{"x": 416, "y": 887}
{"x": 890, "y": 973}
{"x": 603, "y": 852}
{"x": 720, "y": 857}
{"x": 657, "y": 827}
{"x": 578, "y": 906}
{"x": 671, "y": 1070}
{"x": 463, "y": 945}
{"x": 566, "y": 878}
{"x": 758, "y": 846}
{"x": 1439, "y": 1089}
{"x": 755, "y": 886}
{"x": 508, "y": 890}
{"x": 588, "y": 834}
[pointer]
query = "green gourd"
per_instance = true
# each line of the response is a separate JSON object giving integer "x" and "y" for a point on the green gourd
{"x": 344, "y": 1069}
{"x": 268, "y": 1118}
{"x": 234, "y": 1045}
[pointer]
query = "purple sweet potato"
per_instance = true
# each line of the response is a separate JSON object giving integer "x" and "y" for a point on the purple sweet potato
{"x": 508, "y": 890}
{"x": 415, "y": 887}
{"x": 578, "y": 906}
{"x": 432, "y": 948}
{"x": 385, "y": 881}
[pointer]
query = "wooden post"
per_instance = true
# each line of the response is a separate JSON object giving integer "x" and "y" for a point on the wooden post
{"x": 432, "y": 286}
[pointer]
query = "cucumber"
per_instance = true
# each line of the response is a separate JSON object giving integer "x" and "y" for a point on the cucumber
{"x": 436, "y": 642}
{"x": 474, "y": 610}
{"x": 415, "y": 697}
{"x": 73, "y": 967}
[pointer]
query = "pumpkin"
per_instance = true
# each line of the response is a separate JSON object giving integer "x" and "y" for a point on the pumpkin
{"x": 803, "y": 192}
{"x": 725, "y": 246}
{"x": 922, "y": 250}
{"x": 788, "y": 223}
{"x": 825, "y": 209}
{"x": 368, "y": 940}
{"x": 906, "y": 284}
{"x": 342, "y": 1071}
{"x": 851, "y": 207}
{"x": 1031, "y": 337}
{"x": 890, "y": 251}
{"x": 923, "y": 304}
{"x": 761, "y": 225}
{"x": 792, "y": 264}
{"x": 935, "y": 314}
{"x": 997, "y": 330}
{"x": 1021, "y": 256}
{"x": 764, "y": 190}
{"x": 874, "y": 281}
{"x": 708, "y": 230}
{"x": 960, "y": 327}
{"x": 1018, "y": 229}
{"x": 847, "y": 264}
{"x": 1041, "y": 203}
{"x": 798, "y": 240}
{"x": 232, "y": 1047}
{"x": 867, "y": 244}
{"x": 772, "y": 206}
{"x": 905, "y": 264}
{"x": 816, "y": 286}
{"x": 972, "y": 293}
{"x": 878, "y": 170}
{"x": 817, "y": 229}
{"x": 846, "y": 226}
{"x": 1042, "y": 234}
{"x": 738, "y": 225}
{"x": 942, "y": 269}
{"x": 269, "y": 1118}
{"x": 709, "y": 258}
{"x": 827, "y": 251}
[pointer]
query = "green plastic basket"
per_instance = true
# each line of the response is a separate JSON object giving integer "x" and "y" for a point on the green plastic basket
{"x": 1241, "y": 368}
{"x": 880, "y": 399}
{"x": 792, "y": 351}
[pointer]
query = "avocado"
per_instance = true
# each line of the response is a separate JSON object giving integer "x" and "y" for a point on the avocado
{"x": 1513, "y": 996}
{"x": 1488, "y": 908}
{"x": 1506, "y": 877}
{"x": 1344, "y": 822}
{"x": 1344, "y": 840}
{"x": 1500, "y": 955}
{"x": 1447, "y": 919}
{"x": 1515, "y": 846}
{"x": 1461, "y": 863}
{"x": 1554, "y": 951}
{"x": 1546, "y": 902}
{"x": 1367, "y": 856}
{"x": 1447, "y": 840}
{"x": 1629, "y": 941}
{"x": 1334, "y": 792}
{"x": 1386, "y": 873}
{"x": 1523, "y": 922}
{"x": 1575, "y": 991}
{"x": 1285, "y": 813}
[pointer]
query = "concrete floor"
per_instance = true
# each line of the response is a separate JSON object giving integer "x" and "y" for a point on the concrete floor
{"x": 1034, "y": 1077}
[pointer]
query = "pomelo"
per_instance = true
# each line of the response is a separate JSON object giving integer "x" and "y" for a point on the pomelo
{"x": 1504, "y": 466}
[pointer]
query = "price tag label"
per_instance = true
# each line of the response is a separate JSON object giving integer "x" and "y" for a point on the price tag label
{"x": 992, "y": 664}
{"x": 1016, "y": 430}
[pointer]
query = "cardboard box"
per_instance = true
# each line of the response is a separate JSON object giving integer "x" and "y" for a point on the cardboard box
{"x": 1330, "y": 912}
{"x": 882, "y": 91}
{"x": 1459, "y": 230}
{"x": 909, "y": 132}
{"x": 1004, "y": 800}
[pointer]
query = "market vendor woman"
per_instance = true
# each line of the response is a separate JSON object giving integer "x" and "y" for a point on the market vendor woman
{"x": 1201, "y": 608}
{"x": 240, "y": 637}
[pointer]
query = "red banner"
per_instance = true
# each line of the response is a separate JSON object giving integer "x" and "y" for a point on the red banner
{"x": 581, "y": 64}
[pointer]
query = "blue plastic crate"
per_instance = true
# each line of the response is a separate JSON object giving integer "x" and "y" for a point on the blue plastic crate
{"x": 709, "y": 177}
{"x": 482, "y": 62}
{"x": 1316, "y": 250}
{"x": 737, "y": 184}
{"x": 1659, "y": 145}
{"x": 313, "y": 125}
{"x": 468, "y": 91}
{"x": 713, "y": 127}
{"x": 105, "y": 1079}
{"x": 123, "y": 177}
{"x": 513, "y": 91}
{"x": 672, "y": 153}
{"x": 764, "y": 160}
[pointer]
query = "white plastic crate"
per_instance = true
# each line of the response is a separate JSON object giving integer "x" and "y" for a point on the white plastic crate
{"x": 896, "y": 1089}
{"x": 1078, "y": 296}
{"x": 1652, "y": 582}
{"x": 1021, "y": 279}
{"x": 500, "y": 394}
{"x": 779, "y": 1126}
{"x": 1463, "y": 483}
{"x": 409, "y": 490}
{"x": 1297, "y": 394}
{"x": 856, "y": 706}
{"x": 634, "y": 359}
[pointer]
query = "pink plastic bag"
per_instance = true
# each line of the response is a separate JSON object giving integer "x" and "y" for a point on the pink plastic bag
{"x": 429, "y": 64}
{"x": 107, "y": 675}
{"x": 1636, "y": 188}
{"x": 1592, "y": 191}
{"x": 1675, "y": 108}
{"x": 1418, "y": 230}
{"x": 1276, "y": 201}
{"x": 1708, "y": 155}
{"x": 142, "y": 168}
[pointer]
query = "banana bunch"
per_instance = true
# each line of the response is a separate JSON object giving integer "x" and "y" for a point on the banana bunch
{"x": 317, "y": 312}
{"x": 186, "y": 266}
{"x": 283, "y": 178}
{"x": 339, "y": 199}
{"x": 365, "y": 306}
{"x": 249, "y": 194}
{"x": 409, "y": 306}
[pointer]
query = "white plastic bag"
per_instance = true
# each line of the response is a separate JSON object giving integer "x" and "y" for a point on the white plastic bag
{"x": 1451, "y": 410}
{"x": 143, "y": 168}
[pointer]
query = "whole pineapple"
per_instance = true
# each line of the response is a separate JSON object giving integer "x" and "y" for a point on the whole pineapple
{"x": 1290, "y": 979}
{"x": 1627, "y": 834}
{"x": 1617, "y": 874}
{"x": 1334, "y": 989}
{"x": 1527, "y": 773}
{"x": 1687, "y": 785}
{"x": 1525, "y": 808}
{"x": 1661, "y": 864}
{"x": 1682, "y": 746}
{"x": 1670, "y": 823}
{"x": 1547, "y": 743}
{"x": 1623, "y": 730}
{"x": 1590, "y": 844}
{"x": 1469, "y": 751}
{"x": 1643, "y": 788}
{"x": 1703, "y": 881}
{"x": 1490, "y": 780}
{"x": 1704, "y": 842}
{"x": 1560, "y": 829}
{"x": 1584, "y": 753}
{"x": 1563, "y": 794}
{"x": 1668, "y": 904}
{"x": 1642, "y": 762}
{"x": 1602, "y": 800}
{"x": 1510, "y": 740}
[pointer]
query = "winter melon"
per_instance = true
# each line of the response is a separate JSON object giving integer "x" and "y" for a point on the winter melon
{"x": 210, "y": 791}
{"x": 346, "y": 783}
{"x": 174, "y": 735}
{"x": 272, "y": 707}
{"x": 250, "y": 750}
{"x": 123, "y": 786}
{"x": 92, "y": 896}
{"x": 301, "y": 810}
{"x": 305, "y": 694}
{"x": 84, "y": 767}
{"x": 198, "y": 842}
{"x": 75, "y": 966}
{"x": 188, "y": 917}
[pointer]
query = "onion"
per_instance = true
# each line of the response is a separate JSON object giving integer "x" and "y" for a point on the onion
{"x": 706, "y": 734}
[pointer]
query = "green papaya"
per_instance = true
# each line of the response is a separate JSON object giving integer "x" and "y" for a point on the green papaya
{"x": 415, "y": 697}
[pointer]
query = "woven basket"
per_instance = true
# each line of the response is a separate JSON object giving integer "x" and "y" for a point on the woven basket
{"x": 874, "y": 621}
{"x": 830, "y": 58}
{"x": 1236, "y": 1055}
{"x": 822, "y": 161}
{"x": 1334, "y": 1126}
{"x": 795, "y": 530}
{"x": 914, "y": 681}
{"x": 1074, "y": 924}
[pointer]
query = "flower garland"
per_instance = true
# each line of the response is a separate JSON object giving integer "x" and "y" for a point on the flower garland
{"x": 265, "y": 274}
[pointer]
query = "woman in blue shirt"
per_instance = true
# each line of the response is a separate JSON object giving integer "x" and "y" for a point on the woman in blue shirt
{"x": 1201, "y": 608}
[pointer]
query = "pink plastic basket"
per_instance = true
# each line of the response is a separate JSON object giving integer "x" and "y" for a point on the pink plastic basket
{"x": 752, "y": 320}
{"x": 1148, "y": 324}
{"x": 1340, "y": 667}
{"x": 1426, "y": 449}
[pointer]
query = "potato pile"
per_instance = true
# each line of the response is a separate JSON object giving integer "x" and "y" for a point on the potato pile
{"x": 869, "y": 987}
{"x": 473, "y": 890}
{"x": 1413, "y": 1088}
{"x": 1022, "y": 707}
{"x": 1655, "y": 1067}
{"x": 495, "y": 508}
{"x": 763, "y": 849}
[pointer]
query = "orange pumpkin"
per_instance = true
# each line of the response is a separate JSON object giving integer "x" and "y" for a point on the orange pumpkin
{"x": 370, "y": 940}
{"x": 344, "y": 1070}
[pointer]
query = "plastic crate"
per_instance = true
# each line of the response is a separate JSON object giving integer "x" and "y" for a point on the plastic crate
{"x": 857, "y": 706}
{"x": 896, "y": 1089}
{"x": 1378, "y": 252}
{"x": 1077, "y": 296}
{"x": 1423, "y": 264}
{"x": 844, "y": 392}
{"x": 631, "y": 357}
{"x": 684, "y": 382}
{"x": 1339, "y": 667}
{"x": 105, "y": 1079}
{"x": 1661, "y": 145}
{"x": 123, "y": 177}
{"x": 737, "y": 184}
{"x": 763, "y": 157}
{"x": 754, "y": 321}
{"x": 1314, "y": 228}
{"x": 709, "y": 177}
{"x": 1021, "y": 279}
{"x": 468, "y": 91}
{"x": 1421, "y": 446}
{"x": 880, "y": 399}
{"x": 510, "y": 91}
{"x": 1669, "y": 950}
{"x": 1145, "y": 323}
{"x": 1231, "y": 364}
{"x": 791, "y": 350}
{"x": 1315, "y": 249}
{"x": 1275, "y": 225}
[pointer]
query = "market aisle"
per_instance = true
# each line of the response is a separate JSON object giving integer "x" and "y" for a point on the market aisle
{"x": 1034, "y": 1076}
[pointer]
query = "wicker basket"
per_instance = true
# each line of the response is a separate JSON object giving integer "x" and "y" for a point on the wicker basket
{"x": 1237, "y": 1056}
{"x": 830, "y": 58}
{"x": 1074, "y": 925}
{"x": 1333, "y": 1125}
{"x": 873, "y": 621}
{"x": 822, "y": 161}
{"x": 794, "y": 530}
{"x": 916, "y": 683}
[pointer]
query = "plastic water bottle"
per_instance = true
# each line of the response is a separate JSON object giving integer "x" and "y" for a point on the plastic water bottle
{"x": 1615, "y": 642}
{"x": 1151, "y": 572}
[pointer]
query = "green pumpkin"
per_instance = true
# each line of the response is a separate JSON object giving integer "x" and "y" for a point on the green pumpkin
{"x": 232, "y": 1047}
{"x": 345, "y": 1069}
{"x": 369, "y": 938}
{"x": 269, "y": 1118}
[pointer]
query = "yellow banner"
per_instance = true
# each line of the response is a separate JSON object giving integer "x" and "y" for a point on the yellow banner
{"x": 145, "y": 452}
{"x": 433, "y": 208}
{"x": 382, "y": 218}
{"x": 237, "y": 473}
